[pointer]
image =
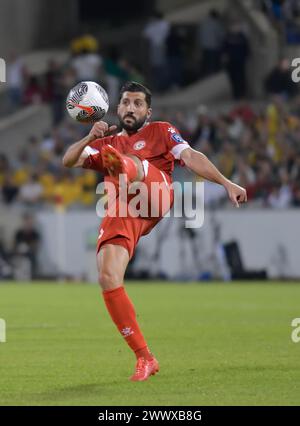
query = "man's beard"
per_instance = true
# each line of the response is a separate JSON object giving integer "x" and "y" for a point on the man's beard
{"x": 134, "y": 125}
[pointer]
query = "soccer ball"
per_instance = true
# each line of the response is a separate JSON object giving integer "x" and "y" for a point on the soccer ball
{"x": 87, "y": 102}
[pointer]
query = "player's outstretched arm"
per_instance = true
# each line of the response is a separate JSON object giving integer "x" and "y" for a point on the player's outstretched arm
{"x": 202, "y": 166}
{"x": 74, "y": 156}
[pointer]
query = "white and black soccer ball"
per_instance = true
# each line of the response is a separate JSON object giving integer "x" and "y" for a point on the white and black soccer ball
{"x": 87, "y": 102}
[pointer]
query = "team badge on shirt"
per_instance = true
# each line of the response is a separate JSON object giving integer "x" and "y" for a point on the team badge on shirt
{"x": 139, "y": 145}
{"x": 171, "y": 130}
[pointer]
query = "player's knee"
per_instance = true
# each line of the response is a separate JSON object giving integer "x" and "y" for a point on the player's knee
{"x": 139, "y": 165}
{"x": 134, "y": 158}
{"x": 108, "y": 279}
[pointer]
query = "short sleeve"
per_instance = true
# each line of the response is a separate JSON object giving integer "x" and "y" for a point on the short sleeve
{"x": 175, "y": 142}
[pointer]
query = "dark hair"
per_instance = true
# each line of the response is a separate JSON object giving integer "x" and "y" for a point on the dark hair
{"x": 214, "y": 13}
{"x": 133, "y": 86}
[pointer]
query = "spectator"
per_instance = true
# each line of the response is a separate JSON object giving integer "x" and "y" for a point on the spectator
{"x": 236, "y": 52}
{"x": 291, "y": 10}
{"x": 174, "y": 58}
{"x": 263, "y": 184}
{"x": 4, "y": 166}
{"x": 33, "y": 93}
{"x": 156, "y": 33}
{"x": 227, "y": 159}
{"x": 33, "y": 151}
{"x": 283, "y": 14}
{"x": 15, "y": 76}
{"x": 68, "y": 79}
{"x": 276, "y": 9}
{"x": 205, "y": 129}
{"x": 295, "y": 169}
{"x": 211, "y": 37}
{"x": 27, "y": 242}
{"x": 292, "y": 25}
{"x": 275, "y": 114}
{"x": 280, "y": 196}
{"x": 9, "y": 189}
{"x": 279, "y": 81}
{"x": 55, "y": 92}
{"x": 5, "y": 267}
{"x": 296, "y": 197}
{"x": 48, "y": 142}
{"x": 87, "y": 64}
{"x": 244, "y": 174}
{"x": 31, "y": 192}
{"x": 66, "y": 191}
{"x": 243, "y": 111}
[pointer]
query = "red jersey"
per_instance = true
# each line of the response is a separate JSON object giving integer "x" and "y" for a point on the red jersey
{"x": 158, "y": 142}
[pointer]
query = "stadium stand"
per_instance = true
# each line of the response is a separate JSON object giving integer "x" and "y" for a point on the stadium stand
{"x": 254, "y": 139}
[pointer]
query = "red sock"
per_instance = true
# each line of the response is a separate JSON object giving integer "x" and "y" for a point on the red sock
{"x": 123, "y": 315}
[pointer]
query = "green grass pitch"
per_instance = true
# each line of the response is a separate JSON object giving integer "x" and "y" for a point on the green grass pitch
{"x": 218, "y": 344}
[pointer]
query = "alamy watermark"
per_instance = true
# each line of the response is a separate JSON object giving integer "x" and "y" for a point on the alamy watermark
{"x": 296, "y": 71}
{"x": 295, "y": 336}
{"x": 2, "y": 331}
{"x": 153, "y": 200}
{"x": 2, "y": 71}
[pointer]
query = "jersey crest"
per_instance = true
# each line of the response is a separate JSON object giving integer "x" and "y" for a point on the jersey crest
{"x": 139, "y": 145}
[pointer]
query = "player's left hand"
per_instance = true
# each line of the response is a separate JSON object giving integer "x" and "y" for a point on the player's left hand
{"x": 236, "y": 193}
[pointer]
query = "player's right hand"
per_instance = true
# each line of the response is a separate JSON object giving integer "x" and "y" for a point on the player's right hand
{"x": 236, "y": 193}
{"x": 101, "y": 129}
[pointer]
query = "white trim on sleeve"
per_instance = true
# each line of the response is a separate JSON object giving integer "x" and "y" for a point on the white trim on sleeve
{"x": 177, "y": 150}
{"x": 90, "y": 151}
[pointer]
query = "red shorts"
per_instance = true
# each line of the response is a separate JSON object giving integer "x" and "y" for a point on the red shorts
{"x": 126, "y": 231}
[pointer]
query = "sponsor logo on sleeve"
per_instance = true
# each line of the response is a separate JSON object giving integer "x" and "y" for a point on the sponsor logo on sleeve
{"x": 177, "y": 138}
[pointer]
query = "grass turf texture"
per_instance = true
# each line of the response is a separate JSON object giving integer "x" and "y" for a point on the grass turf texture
{"x": 218, "y": 344}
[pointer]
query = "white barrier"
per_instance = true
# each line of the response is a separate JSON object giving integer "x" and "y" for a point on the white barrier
{"x": 268, "y": 239}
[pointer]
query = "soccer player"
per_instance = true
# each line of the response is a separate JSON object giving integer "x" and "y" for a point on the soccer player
{"x": 145, "y": 152}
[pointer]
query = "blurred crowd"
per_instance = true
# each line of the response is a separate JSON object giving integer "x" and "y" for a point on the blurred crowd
{"x": 52, "y": 86}
{"x": 36, "y": 177}
{"x": 285, "y": 15}
{"x": 257, "y": 148}
{"x": 19, "y": 259}
{"x": 166, "y": 57}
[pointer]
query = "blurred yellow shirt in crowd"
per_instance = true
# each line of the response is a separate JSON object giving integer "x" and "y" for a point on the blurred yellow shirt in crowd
{"x": 274, "y": 127}
{"x": 87, "y": 182}
{"x": 21, "y": 176}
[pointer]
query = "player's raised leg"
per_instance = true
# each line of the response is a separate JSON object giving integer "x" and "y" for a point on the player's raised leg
{"x": 112, "y": 261}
